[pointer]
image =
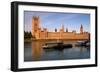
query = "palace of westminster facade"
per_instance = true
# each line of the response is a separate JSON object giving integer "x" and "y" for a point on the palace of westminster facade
{"x": 39, "y": 33}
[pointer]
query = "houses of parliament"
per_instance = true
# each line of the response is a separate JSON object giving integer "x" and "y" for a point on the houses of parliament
{"x": 43, "y": 33}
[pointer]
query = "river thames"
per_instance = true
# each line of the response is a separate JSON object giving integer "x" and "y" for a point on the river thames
{"x": 33, "y": 51}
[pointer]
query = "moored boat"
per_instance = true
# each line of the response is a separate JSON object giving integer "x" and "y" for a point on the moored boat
{"x": 82, "y": 43}
{"x": 56, "y": 45}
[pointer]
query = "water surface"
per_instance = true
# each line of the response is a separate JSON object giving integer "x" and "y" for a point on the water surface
{"x": 33, "y": 51}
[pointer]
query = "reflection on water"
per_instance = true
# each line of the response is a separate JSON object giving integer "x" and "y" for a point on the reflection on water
{"x": 33, "y": 51}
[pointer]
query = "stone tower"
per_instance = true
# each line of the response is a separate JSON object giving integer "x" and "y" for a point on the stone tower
{"x": 62, "y": 27}
{"x": 81, "y": 29}
{"x": 35, "y": 25}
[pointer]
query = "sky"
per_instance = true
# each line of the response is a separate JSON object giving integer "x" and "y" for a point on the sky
{"x": 52, "y": 20}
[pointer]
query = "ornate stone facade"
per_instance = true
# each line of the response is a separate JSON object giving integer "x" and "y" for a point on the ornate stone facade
{"x": 38, "y": 33}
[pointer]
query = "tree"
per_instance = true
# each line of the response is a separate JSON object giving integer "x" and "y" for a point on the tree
{"x": 27, "y": 34}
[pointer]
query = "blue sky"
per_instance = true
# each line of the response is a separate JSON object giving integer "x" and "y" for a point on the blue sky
{"x": 52, "y": 20}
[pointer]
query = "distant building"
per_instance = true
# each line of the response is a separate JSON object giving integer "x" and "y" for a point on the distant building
{"x": 81, "y": 29}
{"x": 38, "y": 33}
